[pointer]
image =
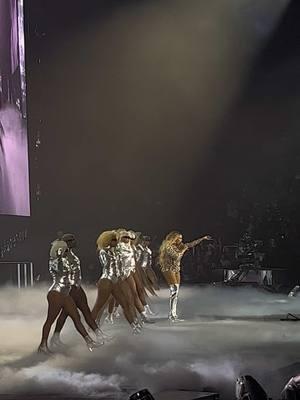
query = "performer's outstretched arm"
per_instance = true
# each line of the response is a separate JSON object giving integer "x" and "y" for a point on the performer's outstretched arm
{"x": 197, "y": 241}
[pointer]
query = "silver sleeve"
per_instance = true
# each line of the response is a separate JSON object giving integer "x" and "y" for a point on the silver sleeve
{"x": 75, "y": 270}
{"x": 103, "y": 258}
{"x": 149, "y": 257}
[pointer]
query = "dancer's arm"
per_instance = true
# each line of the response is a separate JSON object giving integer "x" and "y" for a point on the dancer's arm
{"x": 103, "y": 258}
{"x": 149, "y": 263}
{"x": 75, "y": 271}
{"x": 197, "y": 241}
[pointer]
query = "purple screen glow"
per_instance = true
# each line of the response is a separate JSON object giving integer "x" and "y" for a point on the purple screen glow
{"x": 14, "y": 173}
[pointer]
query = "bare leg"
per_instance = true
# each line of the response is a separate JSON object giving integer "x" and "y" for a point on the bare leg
{"x": 140, "y": 289}
{"x": 64, "y": 315}
{"x": 80, "y": 300}
{"x": 137, "y": 302}
{"x": 61, "y": 321}
{"x": 82, "y": 304}
{"x": 127, "y": 297}
{"x": 71, "y": 309}
{"x": 55, "y": 304}
{"x": 151, "y": 275}
{"x": 104, "y": 292}
{"x": 111, "y": 305}
{"x": 120, "y": 298}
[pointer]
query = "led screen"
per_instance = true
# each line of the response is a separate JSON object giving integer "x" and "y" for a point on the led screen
{"x": 14, "y": 174}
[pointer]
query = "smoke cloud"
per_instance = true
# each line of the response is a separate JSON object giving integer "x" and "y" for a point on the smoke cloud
{"x": 227, "y": 332}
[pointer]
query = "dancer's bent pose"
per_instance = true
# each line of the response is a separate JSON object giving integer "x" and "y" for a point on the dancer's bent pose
{"x": 171, "y": 252}
{"x": 111, "y": 282}
{"x": 149, "y": 262}
{"x": 59, "y": 296}
{"x": 138, "y": 274}
{"x": 77, "y": 293}
{"x": 144, "y": 270}
{"x": 127, "y": 258}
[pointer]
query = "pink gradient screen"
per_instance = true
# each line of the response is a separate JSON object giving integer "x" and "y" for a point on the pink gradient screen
{"x": 14, "y": 171}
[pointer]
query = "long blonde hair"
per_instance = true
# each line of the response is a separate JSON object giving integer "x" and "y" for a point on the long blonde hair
{"x": 168, "y": 239}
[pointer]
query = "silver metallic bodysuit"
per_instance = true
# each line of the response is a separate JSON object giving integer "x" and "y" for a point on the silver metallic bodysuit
{"x": 109, "y": 262}
{"x": 75, "y": 269}
{"x": 60, "y": 271}
{"x": 146, "y": 259}
{"x": 138, "y": 253}
{"x": 126, "y": 259}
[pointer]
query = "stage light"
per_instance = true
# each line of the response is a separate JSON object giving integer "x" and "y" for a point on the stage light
{"x": 291, "y": 390}
{"x": 294, "y": 292}
{"x": 247, "y": 388}
{"x": 143, "y": 394}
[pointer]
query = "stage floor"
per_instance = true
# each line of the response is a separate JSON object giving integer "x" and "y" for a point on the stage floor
{"x": 226, "y": 332}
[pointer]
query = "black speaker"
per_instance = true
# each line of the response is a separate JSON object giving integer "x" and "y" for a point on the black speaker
{"x": 247, "y": 388}
{"x": 292, "y": 389}
{"x": 143, "y": 394}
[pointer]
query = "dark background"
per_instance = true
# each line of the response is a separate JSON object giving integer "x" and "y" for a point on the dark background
{"x": 122, "y": 106}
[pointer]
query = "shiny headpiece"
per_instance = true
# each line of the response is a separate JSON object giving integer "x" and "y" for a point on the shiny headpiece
{"x": 58, "y": 247}
{"x": 133, "y": 235}
{"x": 68, "y": 236}
{"x": 123, "y": 233}
{"x": 105, "y": 238}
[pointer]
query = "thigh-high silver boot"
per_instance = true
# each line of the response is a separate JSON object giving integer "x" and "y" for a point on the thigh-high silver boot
{"x": 174, "y": 289}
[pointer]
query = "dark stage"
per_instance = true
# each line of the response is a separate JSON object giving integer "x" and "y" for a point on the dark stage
{"x": 153, "y": 115}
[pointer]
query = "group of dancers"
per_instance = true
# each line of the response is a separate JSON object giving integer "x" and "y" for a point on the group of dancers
{"x": 127, "y": 280}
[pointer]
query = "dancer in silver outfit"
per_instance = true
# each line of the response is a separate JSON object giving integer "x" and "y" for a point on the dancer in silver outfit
{"x": 113, "y": 281}
{"x": 147, "y": 263}
{"x": 78, "y": 295}
{"x": 59, "y": 296}
{"x": 144, "y": 284}
{"x": 126, "y": 254}
{"x": 129, "y": 253}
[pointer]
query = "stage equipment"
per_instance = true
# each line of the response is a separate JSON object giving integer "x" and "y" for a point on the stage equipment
{"x": 295, "y": 291}
{"x": 175, "y": 395}
{"x": 143, "y": 394}
{"x": 290, "y": 318}
{"x": 291, "y": 390}
{"x": 20, "y": 273}
{"x": 247, "y": 388}
{"x": 247, "y": 262}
